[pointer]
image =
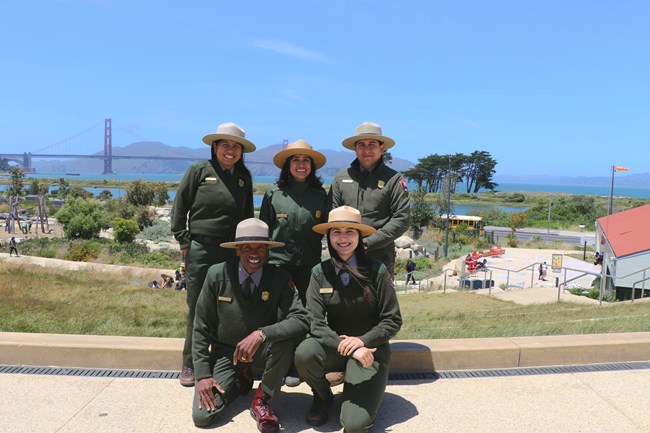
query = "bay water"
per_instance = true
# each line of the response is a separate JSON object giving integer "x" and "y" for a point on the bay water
{"x": 600, "y": 190}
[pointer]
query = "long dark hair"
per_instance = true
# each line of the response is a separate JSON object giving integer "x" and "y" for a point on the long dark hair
{"x": 362, "y": 273}
{"x": 239, "y": 165}
{"x": 286, "y": 179}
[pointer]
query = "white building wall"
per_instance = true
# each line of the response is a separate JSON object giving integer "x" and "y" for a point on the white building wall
{"x": 634, "y": 265}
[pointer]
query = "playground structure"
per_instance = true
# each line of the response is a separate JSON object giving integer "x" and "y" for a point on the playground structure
{"x": 17, "y": 215}
{"x": 477, "y": 259}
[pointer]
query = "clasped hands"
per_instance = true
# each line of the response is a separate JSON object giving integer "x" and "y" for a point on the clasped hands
{"x": 353, "y": 347}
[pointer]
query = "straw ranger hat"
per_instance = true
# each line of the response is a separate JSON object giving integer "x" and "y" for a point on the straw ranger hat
{"x": 368, "y": 131}
{"x": 230, "y": 131}
{"x": 344, "y": 216}
{"x": 300, "y": 147}
{"x": 252, "y": 231}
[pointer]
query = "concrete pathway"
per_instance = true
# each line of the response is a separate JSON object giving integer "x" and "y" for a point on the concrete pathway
{"x": 597, "y": 402}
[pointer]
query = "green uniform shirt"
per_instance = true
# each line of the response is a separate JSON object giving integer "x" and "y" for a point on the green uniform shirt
{"x": 382, "y": 198}
{"x": 337, "y": 310}
{"x": 290, "y": 213}
{"x": 210, "y": 202}
{"x": 224, "y": 317}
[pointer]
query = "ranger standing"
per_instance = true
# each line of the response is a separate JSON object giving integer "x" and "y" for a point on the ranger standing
{"x": 212, "y": 198}
{"x": 377, "y": 191}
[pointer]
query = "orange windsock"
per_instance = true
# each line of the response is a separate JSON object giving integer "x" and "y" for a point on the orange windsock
{"x": 619, "y": 168}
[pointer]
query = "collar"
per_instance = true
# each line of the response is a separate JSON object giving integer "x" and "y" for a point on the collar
{"x": 357, "y": 165}
{"x": 256, "y": 276}
{"x": 352, "y": 263}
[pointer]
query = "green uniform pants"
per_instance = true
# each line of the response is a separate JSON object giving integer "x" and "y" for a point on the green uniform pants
{"x": 274, "y": 358}
{"x": 199, "y": 259}
{"x": 363, "y": 388}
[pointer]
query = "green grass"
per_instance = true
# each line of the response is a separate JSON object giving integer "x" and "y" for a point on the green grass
{"x": 41, "y": 300}
{"x": 469, "y": 315}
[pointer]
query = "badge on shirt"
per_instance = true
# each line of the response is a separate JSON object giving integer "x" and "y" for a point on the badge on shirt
{"x": 327, "y": 290}
{"x": 347, "y": 181}
{"x": 381, "y": 184}
{"x": 282, "y": 215}
{"x": 224, "y": 299}
{"x": 265, "y": 296}
{"x": 211, "y": 179}
{"x": 241, "y": 183}
{"x": 318, "y": 214}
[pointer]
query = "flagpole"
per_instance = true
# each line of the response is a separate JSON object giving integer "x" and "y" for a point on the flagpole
{"x": 611, "y": 193}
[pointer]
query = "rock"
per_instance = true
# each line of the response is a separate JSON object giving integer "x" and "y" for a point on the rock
{"x": 404, "y": 242}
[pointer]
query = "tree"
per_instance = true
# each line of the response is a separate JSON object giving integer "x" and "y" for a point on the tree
{"x": 4, "y": 164}
{"x": 479, "y": 169}
{"x": 516, "y": 220}
{"x": 64, "y": 188}
{"x": 104, "y": 195}
{"x": 139, "y": 193}
{"x": 80, "y": 218}
{"x": 16, "y": 183}
{"x": 161, "y": 195}
{"x": 125, "y": 231}
{"x": 421, "y": 212}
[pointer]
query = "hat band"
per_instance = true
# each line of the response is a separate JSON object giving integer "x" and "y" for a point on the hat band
{"x": 343, "y": 222}
{"x": 252, "y": 239}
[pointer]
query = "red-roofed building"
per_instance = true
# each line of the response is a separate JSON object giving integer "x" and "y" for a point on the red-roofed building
{"x": 624, "y": 239}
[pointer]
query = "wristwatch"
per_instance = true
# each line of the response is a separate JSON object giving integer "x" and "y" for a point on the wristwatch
{"x": 262, "y": 334}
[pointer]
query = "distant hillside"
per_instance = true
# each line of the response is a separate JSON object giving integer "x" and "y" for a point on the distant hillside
{"x": 335, "y": 160}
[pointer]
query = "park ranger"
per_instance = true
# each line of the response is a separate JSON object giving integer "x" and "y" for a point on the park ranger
{"x": 212, "y": 198}
{"x": 248, "y": 314}
{"x": 377, "y": 191}
{"x": 291, "y": 210}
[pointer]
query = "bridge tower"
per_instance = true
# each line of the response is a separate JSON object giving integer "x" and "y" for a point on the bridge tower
{"x": 108, "y": 147}
{"x": 27, "y": 163}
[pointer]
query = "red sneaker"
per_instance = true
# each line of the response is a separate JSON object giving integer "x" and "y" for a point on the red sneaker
{"x": 262, "y": 413}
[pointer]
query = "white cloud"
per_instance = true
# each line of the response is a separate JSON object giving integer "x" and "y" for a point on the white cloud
{"x": 289, "y": 49}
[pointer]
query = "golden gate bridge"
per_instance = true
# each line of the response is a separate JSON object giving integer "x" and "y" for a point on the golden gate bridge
{"x": 25, "y": 159}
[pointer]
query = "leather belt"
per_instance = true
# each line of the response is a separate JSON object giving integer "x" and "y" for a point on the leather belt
{"x": 208, "y": 240}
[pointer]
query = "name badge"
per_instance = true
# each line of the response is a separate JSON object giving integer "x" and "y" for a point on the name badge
{"x": 327, "y": 290}
{"x": 282, "y": 215}
{"x": 380, "y": 184}
{"x": 265, "y": 296}
{"x": 224, "y": 299}
{"x": 241, "y": 183}
{"x": 211, "y": 179}
{"x": 347, "y": 181}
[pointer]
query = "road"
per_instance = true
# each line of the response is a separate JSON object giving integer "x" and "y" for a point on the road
{"x": 526, "y": 234}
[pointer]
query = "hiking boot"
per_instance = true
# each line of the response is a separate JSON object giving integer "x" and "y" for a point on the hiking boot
{"x": 262, "y": 413}
{"x": 244, "y": 381}
{"x": 187, "y": 376}
{"x": 319, "y": 410}
{"x": 335, "y": 377}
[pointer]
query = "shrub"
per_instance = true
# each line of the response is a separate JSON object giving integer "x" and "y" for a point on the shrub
{"x": 124, "y": 230}
{"x": 145, "y": 216}
{"x": 139, "y": 193}
{"x": 81, "y": 219}
{"x": 515, "y": 197}
{"x": 159, "y": 231}
{"x": 512, "y": 240}
{"x": 81, "y": 253}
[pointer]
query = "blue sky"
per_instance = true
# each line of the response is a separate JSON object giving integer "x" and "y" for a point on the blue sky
{"x": 547, "y": 87}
